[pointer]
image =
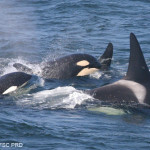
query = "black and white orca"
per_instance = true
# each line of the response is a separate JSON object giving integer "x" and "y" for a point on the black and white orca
{"x": 134, "y": 87}
{"x": 72, "y": 65}
{"x": 10, "y": 82}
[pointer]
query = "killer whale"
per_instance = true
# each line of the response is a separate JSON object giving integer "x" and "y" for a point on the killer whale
{"x": 10, "y": 82}
{"x": 72, "y": 65}
{"x": 134, "y": 87}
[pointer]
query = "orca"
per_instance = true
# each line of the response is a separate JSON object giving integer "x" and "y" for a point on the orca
{"x": 10, "y": 82}
{"x": 72, "y": 65}
{"x": 134, "y": 88}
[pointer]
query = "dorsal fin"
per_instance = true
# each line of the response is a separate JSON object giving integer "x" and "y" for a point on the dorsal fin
{"x": 22, "y": 68}
{"x": 137, "y": 69}
{"x": 106, "y": 58}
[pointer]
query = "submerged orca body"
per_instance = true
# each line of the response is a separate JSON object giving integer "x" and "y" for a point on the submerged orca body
{"x": 72, "y": 65}
{"x": 134, "y": 87}
{"x": 10, "y": 82}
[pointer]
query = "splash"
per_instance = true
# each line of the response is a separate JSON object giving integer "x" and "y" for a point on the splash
{"x": 96, "y": 75}
{"x": 61, "y": 97}
{"x": 8, "y": 66}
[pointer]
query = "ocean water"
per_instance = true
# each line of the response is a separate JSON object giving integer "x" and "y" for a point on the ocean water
{"x": 53, "y": 114}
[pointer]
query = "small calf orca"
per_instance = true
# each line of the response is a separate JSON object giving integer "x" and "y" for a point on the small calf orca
{"x": 134, "y": 87}
{"x": 10, "y": 82}
{"x": 72, "y": 65}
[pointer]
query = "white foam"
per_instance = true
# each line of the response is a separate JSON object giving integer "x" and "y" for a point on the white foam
{"x": 9, "y": 68}
{"x": 61, "y": 97}
{"x": 95, "y": 75}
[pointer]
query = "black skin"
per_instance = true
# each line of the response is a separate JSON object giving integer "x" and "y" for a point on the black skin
{"x": 13, "y": 79}
{"x": 137, "y": 72}
{"x": 66, "y": 67}
{"x": 63, "y": 68}
{"x": 106, "y": 58}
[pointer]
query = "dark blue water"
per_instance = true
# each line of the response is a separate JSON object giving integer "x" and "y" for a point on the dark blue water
{"x": 57, "y": 114}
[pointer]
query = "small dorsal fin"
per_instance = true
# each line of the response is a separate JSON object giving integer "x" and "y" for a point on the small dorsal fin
{"x": 22, "y": 68}
{"x": 137, "y": 69}
{"x": 106, "y": 58}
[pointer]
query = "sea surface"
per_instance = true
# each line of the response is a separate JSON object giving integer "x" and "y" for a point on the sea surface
{"x": 56, "y": 114}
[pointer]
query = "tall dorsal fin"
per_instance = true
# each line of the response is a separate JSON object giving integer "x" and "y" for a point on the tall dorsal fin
{"x": 137, "y": 69}
{"x": 106, "y": 58}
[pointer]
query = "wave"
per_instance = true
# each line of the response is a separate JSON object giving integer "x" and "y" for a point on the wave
{"x": 8, "y": 67}
{"x": 61, "y": 97}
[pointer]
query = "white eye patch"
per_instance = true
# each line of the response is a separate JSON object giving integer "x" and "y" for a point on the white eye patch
{"x": 86, "y": 71}
{"x": 83, "y": 63}
{"x": 11, "y": 89}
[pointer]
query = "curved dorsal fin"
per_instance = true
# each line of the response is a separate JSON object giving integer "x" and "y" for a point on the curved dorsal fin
{"x": 137, "y": 69}
{"x": 106, "y": 58}
{"x": 22, "y": 68}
